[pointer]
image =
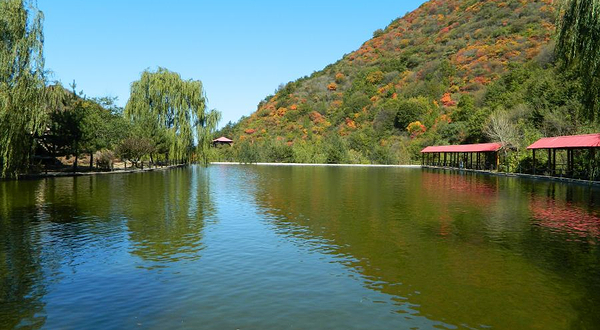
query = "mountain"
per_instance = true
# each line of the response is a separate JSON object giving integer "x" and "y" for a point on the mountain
{"x": 437, "y": 75}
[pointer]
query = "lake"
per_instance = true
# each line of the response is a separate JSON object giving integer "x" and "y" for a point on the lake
{"x": 282, "y": 247}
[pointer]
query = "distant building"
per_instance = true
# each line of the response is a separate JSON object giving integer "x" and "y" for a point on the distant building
{"x": 222, "y": 140}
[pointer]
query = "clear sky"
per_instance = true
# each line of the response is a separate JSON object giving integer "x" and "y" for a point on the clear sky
{"x": 240, "y": 50}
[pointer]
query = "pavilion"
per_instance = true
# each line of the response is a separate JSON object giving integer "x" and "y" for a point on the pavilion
{"x": 481, "y": 156}
{"x": 576, "y": 149}
{"x": 222, "y": 140}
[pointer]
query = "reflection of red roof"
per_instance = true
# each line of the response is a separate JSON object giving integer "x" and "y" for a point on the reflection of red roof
{"x": 222, "y": 139}
{"x": 481, "y": 147}
{"x": 565, "y": 218}
{"x": 573, "y": 141}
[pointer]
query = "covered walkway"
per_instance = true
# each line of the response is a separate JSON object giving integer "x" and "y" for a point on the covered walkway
{"x": 571, "y": 156}
{"x": 482, "y": 156}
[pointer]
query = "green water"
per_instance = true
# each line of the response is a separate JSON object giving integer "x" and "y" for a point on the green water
{"x": 251, "y": 247}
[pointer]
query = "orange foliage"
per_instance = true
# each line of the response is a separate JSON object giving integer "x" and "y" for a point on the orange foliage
{"x": 281, "y": 112}
{"x": 350, "y": 123}
{"x": 316, "y": 117}
{"x": 447, "y": 100}
{"x": 332, "y": 86}
{"x": 339, "y": 77}
{"x": 481, "y": 80}
{"x": 250, "y": 131}
{"x": 293, "y": 107}
{"x": 416, "y": 128}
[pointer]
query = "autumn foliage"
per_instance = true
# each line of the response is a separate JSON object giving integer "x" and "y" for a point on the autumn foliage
{"x": 445, "y": 59}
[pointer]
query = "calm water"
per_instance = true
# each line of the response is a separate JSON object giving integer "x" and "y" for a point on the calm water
{"x": 248, "y": 247}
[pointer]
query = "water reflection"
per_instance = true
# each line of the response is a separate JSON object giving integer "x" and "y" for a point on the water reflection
{"x": 452, "y": 247}
{"x": 321, "y": 246}
{"x": 561, "y": 214}
{"x": 50, "y": 230}
{"x": 166, "y": 215}
{"x": 21, "y": 269}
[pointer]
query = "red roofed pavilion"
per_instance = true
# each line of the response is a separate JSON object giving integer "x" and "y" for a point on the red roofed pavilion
{"x": 461, "y": 156}
{"x": 582, "y": 147}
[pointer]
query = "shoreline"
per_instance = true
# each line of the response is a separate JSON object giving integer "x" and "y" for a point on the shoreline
{"x": 518, "y": 175}
{"x": 73, "y": 174}
{"x": 316, "y": 165}
{"x": 484, "y": 172}
{"x": 503, "y": 174}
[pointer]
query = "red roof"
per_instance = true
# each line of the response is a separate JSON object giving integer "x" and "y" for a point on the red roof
{"x": 481, "y": 147}
{"x": 222, "y": 139}
{"x": 572, "y": 141}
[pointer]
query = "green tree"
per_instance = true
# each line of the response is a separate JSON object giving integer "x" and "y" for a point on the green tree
{"x": 578, "y": 48}
{"x": 336, "y": 150}
{"x": 22, "y": 83}
{"x": 408, "y": 111}
{"x": 177, "y": 107}
{"x": 134, "y": 148}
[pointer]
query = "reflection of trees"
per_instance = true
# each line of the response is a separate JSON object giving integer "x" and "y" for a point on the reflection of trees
{"x": 456, "y": 239}
{"x": 47, "y": 226}
{"x": 21, "y": 275}
{"x": 166, "y": 213}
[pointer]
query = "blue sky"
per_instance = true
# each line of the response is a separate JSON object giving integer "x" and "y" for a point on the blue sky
{"x": 240, "y": 50}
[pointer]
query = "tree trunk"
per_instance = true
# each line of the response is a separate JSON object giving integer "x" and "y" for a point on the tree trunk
{"x": 91, "y": 160}
{"x": 75, "y": 163}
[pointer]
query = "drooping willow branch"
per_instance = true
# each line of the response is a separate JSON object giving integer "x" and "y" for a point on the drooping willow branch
{"x": 175, "y": 106}
{"x": 22, "y": 84}
{"x": 578, "y": 47}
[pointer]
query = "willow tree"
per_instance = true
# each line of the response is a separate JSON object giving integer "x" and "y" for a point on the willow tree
{"x": 162, "y": 101}
{"x": 578, "y": 47}
{"x": 22, "y": 83}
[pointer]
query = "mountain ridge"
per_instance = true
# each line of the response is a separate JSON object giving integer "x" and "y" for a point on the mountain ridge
{"x": 430, "y": 71}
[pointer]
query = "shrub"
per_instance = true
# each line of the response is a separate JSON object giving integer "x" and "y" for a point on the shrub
{"x": 134, "y": 148}
{"x": 336, "y": 151}
{"x": 408, "y": 111}
{"x": 247, "y": 152}
{"x": 375, "y": 77}
{"x": 104, "y": 159}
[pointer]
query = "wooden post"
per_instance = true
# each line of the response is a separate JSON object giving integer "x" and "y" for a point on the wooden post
{"x": 471, "y": 156}
{"x": 533, "y": 161}
{"x": 592, "y": 161}
{"x": 571, "y": 165}
{"x": 439, "y": 159}
{"x": 549, "y": 161}
{"x": 497, "y": 161}
{"x": 422, "y": 158}
{"x": 568, "y": 163}
{"x": 553, "y": 162}
{"x": 445, "y": 154}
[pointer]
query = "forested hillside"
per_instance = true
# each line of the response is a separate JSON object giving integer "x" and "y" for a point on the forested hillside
{"x": 452, "y": 71}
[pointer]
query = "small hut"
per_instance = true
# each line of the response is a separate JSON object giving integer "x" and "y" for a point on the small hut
{"x": 222, "y": 140}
